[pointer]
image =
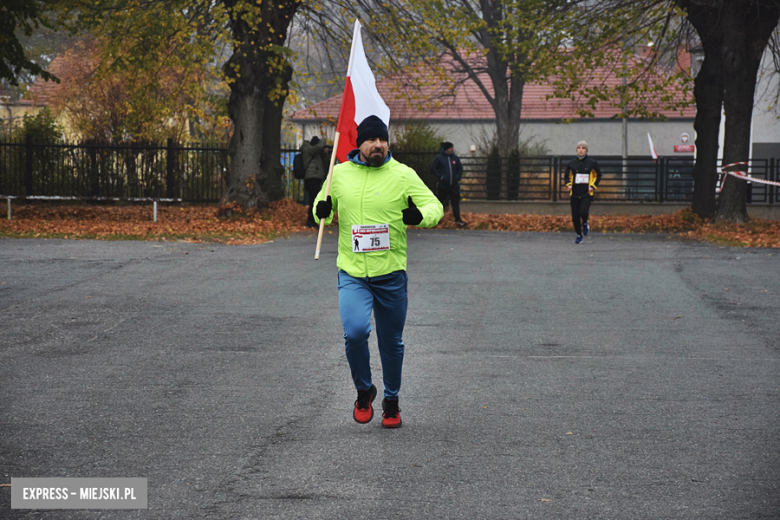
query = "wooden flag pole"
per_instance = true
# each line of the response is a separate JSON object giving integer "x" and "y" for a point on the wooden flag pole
{"x": 327, "y": 192}
{"x": 355, "y": 36}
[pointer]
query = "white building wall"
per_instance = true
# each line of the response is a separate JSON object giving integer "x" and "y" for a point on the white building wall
{"x": 603, "y": 137}
{"x": 765, "y": 135}
{"x": 606, "y": 137}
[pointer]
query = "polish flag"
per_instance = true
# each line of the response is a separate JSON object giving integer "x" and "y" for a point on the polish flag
{"x": 652, "y": 147}
{"x": 361, "y": 98}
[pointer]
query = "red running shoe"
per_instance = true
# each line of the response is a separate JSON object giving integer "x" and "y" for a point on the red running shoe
{"x": 364, "y": 412}
{"x": 391, "y": 418}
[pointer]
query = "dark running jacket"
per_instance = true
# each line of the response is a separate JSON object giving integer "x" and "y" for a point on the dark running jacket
{"x": 589, "y": 175}
{"x": 447, "y": 168}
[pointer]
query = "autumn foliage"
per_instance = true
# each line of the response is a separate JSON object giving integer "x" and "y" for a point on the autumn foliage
{"x": 757, "y": 233}
{"x": 109, "y": 102}
{"x": 185, "y": 223}
{"x": 202, "y": 223}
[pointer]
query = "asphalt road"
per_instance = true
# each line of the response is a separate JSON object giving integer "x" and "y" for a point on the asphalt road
{"x": 632, "y": 377}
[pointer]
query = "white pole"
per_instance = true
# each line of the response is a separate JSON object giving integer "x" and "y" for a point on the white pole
{"x": 625, "y": 128}
{"x": 155, "y": 211}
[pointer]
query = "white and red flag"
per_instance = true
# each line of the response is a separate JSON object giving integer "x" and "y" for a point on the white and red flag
{"x": 652, "y": 147}
{"x": 361, "y": 98}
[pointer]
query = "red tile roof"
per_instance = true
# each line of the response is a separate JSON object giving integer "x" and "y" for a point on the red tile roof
{"x": 40, "y": 91}
{"x": 470, "y": 104}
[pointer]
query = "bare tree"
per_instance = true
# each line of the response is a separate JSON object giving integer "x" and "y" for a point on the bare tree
{"x": 497, "y": 44}
{"x": 709, "y": 92}
{"x": 747, "y": 26}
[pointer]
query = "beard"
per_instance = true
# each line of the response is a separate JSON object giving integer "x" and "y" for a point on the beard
{"x": 376, "y": 158}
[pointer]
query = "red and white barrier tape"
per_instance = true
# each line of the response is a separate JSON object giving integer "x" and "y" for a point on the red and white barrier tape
{"x": 743, "y": 175}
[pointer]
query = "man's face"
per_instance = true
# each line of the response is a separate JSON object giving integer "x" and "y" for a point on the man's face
{"x": 373, "y": 151}
{"x": 450, "y": 151}
{"x": 581, "y": 151}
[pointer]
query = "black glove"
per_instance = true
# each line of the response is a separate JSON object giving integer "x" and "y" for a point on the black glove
{"x": 412, "y": 215}
{"x": 324, "y": 207}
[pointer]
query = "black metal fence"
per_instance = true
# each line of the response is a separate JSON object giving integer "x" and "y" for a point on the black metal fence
{"x": 112, "y": 171}
{"x": 197, "y": 174}
{"x": 293, "y": 188}
{"x": 636, "y": 179}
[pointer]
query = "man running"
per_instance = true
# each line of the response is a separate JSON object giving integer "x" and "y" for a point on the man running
{"x": 376, "y": 198}
{"x": 584, "y": 175}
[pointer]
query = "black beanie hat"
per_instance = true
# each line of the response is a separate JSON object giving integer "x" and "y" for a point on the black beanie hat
{"x": 446, "y": 145}
{"x": 370, "y": 128}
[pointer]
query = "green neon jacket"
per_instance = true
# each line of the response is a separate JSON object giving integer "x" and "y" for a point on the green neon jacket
{"x": 367, "y": 195}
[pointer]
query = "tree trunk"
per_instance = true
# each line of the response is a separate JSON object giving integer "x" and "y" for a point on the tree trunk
{"x": 507, "y": 106}
{"x": 508, "y": 109}
{"x": 745, "y": 37}
{"x": 273, "y": 117}
{"x": 708, "y": 91}
{"x": 246, "y": 110}
{"x": 740, "y": 83}
{"x": 259, "y": 74}
{"x": 507, "y": 96}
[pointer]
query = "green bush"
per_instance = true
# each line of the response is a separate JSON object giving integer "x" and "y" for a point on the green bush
{"x": 528, "y": 148}
{"x": 42, "y": 127}
{"x": 417, "y": 137}
{"x": 416, "y": 146}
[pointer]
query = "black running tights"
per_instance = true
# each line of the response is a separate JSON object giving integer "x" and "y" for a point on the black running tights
{"x": 580, "y": 206}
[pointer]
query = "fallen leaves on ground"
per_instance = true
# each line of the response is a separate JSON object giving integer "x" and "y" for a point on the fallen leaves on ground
{"x": 196, "y": 223}
{"x": 756, "y": 233}
{"x": 201, "y": 223}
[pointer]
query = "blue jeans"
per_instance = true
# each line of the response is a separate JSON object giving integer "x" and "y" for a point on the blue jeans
{"x": 386, "y": 295}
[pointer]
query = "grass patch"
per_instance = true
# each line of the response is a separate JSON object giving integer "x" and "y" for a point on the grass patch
{"x": 724, "y": 241}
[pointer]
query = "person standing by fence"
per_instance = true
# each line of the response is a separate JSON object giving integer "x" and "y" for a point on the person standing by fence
{"x": 312, "y": 152}
{"x": 584, "y": 175}
{"x": 448, "y": 170}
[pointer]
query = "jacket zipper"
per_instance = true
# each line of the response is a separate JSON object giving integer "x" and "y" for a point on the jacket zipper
{"x": 362, "y": 215}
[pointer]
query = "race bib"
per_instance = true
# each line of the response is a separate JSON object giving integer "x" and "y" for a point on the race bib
{"x": 367, "y": 238}
{"x": 581, "y": 178}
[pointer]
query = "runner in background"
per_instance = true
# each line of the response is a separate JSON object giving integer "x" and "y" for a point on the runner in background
{"x": 376, "y": 198}
{"x": 584, "y": 176}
